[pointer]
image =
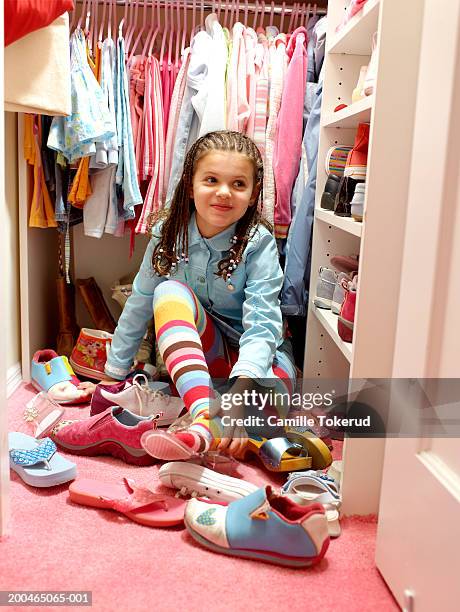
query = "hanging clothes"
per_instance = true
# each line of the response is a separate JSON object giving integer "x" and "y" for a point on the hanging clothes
{"x": 294, "y": 294}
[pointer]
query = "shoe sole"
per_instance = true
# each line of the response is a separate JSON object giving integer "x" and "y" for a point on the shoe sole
{"x": 75, "y": 402}
{"x": 86, "y": 371}
{"x": 336, "y": 307}
{"x": 128, "y": 454}
{"x": 277, "y": 559}
{"x": 357, "y": 217}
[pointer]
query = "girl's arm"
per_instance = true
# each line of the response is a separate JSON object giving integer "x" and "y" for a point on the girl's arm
{"x": 134, "y": 319}
{"x": 262, "y": 321}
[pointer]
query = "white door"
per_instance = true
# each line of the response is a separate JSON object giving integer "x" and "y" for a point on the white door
{"x": 418, "y": 541}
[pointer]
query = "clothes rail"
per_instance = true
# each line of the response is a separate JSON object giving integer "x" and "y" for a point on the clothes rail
{"x": 259, "y": 7}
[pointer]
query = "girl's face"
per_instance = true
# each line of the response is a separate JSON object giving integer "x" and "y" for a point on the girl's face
{"x": 223, "y": 188}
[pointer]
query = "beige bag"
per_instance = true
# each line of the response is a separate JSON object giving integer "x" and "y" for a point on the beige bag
{"x": 37, "y": 71}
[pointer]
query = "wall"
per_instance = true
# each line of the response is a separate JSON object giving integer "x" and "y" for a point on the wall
{"x": 11, "y": 286}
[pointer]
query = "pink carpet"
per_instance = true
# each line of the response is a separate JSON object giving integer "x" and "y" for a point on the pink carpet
{"x": 56, "y": 545}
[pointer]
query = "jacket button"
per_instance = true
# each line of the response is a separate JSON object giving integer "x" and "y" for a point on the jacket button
{"x": 202, "y": 279}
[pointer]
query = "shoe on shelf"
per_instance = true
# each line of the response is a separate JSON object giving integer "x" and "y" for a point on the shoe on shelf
{"x": 357, "y": 202}
{"x": 345, "y": 323}
{"x": 350, "y": 11}
{"x": 330, "y": 191}
{"x": 139, "y": 397}
{"x": 336, "y": 158}
{"x": 90, "y": 353}
{"x": 324, "y": 288}
{"x": 345, "y": 263}
{"x": 264, "y": 526}
{"x": 342, "y": 204}
{"x": 339, "y": 293}
{"x": 52, "y": 373}
{"x": 358, "y": 91}
{"x": 356, "y": 165}
{"x": 115, "y": 432}
{"x": 369, "y": 81}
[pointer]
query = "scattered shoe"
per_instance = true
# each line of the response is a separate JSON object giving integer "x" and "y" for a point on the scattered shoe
{"x": 316, "y": 487}
{"x": 139, "y": 504}
{"x": 90, "y": 353}
{"x": 52, "y": 373}
{"x": 353, "y": 8}
{"x": 115, "y": 432}
{"x": 37, "y": 462}
{"x": 357, "y": 202}
{"x": 194, "y": 480}
{"x": 324, "y": 288}
{"x": 139, "y": 397}
{"x": 263, "y": 526}
{"x": 42, "y": 414}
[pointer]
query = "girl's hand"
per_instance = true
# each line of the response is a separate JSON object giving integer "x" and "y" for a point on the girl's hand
{"x": 87, "y": 386}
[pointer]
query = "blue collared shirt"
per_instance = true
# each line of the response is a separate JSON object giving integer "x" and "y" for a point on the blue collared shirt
{"x": 251, "y": 312}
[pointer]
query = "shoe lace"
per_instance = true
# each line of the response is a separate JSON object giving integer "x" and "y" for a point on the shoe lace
{"x": 185, "y": 492}
{"x": 146, "y": 396}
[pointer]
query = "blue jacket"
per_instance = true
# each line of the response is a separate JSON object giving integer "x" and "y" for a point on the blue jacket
{"x": 249, "y": 316}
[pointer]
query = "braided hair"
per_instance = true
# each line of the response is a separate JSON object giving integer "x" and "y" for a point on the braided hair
{"x": 173, "y": 244}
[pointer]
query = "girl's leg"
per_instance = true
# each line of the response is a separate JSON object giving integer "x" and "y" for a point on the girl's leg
{"x": 188, "y": 341}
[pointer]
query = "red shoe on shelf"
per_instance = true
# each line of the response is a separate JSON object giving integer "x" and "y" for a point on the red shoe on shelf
{"x": 356, "y": 165}
{"x": 346, "y": 318}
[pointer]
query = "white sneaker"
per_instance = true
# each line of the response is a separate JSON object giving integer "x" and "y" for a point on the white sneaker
{"x": 369, "y": 81}
{"x": 197, "y": 480}
{"x": 145, "y": 399}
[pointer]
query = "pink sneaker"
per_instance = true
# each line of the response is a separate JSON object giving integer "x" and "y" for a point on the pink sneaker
{"x": 115, "y": 432}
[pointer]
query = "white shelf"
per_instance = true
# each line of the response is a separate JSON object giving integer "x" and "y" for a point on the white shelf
{"x": 356, "y": 37}
{"x": 347, "y": 224}
{"x": 329, "y": 321}
{"x": 349, "y": 117}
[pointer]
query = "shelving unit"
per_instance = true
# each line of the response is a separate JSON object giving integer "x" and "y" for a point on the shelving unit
{"x": 379, "y": 238}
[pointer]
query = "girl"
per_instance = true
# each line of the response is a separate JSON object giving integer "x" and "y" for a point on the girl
{"x": 212, "y": 276}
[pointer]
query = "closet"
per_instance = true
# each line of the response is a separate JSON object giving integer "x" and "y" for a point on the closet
{"x": 378, "y": 240}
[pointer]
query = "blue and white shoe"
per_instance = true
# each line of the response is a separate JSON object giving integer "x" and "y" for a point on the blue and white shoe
{"x": 264, "y": 526}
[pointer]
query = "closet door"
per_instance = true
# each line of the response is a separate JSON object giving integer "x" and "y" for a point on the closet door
{"x": 418, "y": 549}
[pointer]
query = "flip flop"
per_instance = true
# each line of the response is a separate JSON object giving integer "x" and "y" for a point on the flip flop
{"x": 42, "y": 414}
{"x": 139, "y": 504}
{"x": 37, "y": 462}
{"x": 165, "y": 446}
{"x": 279, "y": 454}
{"x": 316, "y": 448}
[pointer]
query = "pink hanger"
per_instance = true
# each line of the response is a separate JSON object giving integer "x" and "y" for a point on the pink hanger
{"x": 237, "y": 14}
{"x": 262, "y": 15}
{"x": 81, "y": 14}
{"x": 297, "y": 15}
{"x": 165, "y": 33}
{"x": 101, "y": 28}
{"x": 94, "y": 28}
{"x": 203, "y": 27}
{"x": 134, "y": 16}
{"x": 155, "y": 33}
{"x": 283, "y": 10}
{"x": 172, "y": 32}
{"x": 291, "y": 20}
{"x": 272, "y": 13}
{"x": 226, "y": 14}
{"x": 232, "y": 10}
{"x": 256, "y": 12}
{"x": 178, "y": 37}
{"x": 219, "y": 8}
{"x": 141, "y": 31}
{"x": 246, "y": 8}
{"x": 74, "y": 16}
{"x": 314, "y": 10}
{"x": 184, "y": 29}
{"x": 109, "y": 20}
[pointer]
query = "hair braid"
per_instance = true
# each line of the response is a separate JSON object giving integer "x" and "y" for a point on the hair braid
{"x": 173, "y": 244}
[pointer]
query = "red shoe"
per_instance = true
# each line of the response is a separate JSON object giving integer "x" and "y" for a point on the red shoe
{"x": 90, "y": 353}
{"x": 356, "y": 165}
{"x": 346, "y": 318}
{"x": 115, "y": 432}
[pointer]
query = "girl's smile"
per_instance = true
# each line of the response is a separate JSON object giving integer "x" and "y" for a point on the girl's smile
{"x": 223, "y": 188}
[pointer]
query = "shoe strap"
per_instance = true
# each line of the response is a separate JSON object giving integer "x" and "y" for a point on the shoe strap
{"x": 29, "y": 457}
{"x": 137, "y": 498}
